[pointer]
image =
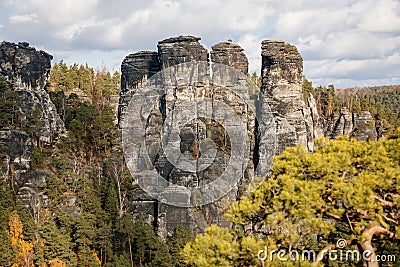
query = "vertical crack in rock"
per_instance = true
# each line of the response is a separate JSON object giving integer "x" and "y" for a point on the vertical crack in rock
{"x": 297, "y": 122}
{"x": 171, "y": 52}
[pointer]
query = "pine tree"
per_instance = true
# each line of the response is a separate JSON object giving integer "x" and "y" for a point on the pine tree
{"x": 345, "y": 189}
{"x": 57, "y": 247}
{"x": 7, "y": 205}
{"x": 177, "y": 242}
{"x": 9, "y": 102}
{"x": 84, "y": 236}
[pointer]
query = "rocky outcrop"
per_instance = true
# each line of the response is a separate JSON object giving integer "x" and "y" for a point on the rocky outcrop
{"x": 360, "y": 126}
{"x": 27, "y": 71}
{"x": 340, "y": 124}
{"x": 176, "y": 50}
{"x": 365, "y": 127}
{"x": 135, "y": 69}
{"x": 282, "y": 90}
{"x": 282, "y": 87}
{"x": 18, "y": 147}
{"x": 230, "y": 54}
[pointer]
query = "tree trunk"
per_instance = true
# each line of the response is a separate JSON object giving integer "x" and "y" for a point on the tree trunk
{"x": 369, "y": 254}
{"x": 130, "y": 249}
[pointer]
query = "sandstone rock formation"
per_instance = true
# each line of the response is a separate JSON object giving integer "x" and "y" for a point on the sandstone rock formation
{"x": 282, "y": 90}
{"x": 136, "y": 69}
{"x": 282, "y": 86}
{"x": 365, "y": 127}
{"x": 27, "y": 71}
{"x": 230, "y": 54}
{"x": 360, "y": 126}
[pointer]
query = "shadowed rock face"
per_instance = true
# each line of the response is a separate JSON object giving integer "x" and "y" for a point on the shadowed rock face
{"x": 230, "y": 54}
{"x": 360, "y": 126}
{"x": 27, "y": 70}
{"x": 135, "y": 70}
{"x": 24, "y": 66}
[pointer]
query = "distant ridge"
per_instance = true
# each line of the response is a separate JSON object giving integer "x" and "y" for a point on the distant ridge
{"x": 366, "y": 90}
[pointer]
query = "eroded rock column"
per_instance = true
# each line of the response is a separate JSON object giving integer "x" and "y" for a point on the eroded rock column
{"x": 282, "y": 87}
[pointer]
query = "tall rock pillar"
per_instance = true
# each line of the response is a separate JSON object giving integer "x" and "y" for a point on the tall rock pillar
{"x": 282, "y": 87}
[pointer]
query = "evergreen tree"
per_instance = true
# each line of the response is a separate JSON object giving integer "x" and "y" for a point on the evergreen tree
{"x": 84, "y": 235}
{"x": 56, "y": 246}
{"x": 345, "y": 189}
{"x": 7, "y": 205}
{"x": 177, "y": 242}
{"x": 9, "y": 102}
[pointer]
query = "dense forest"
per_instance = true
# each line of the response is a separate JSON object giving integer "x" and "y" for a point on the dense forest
{"x": 86, "y": 220}
{"x": 344, "y": 190}
{"x": 382, "y": 102}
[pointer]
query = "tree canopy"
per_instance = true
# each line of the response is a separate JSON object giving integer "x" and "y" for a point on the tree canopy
{"x": 344, "y": 190}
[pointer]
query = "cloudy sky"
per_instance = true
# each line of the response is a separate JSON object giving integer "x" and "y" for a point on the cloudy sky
{"x": 344, "y": 42}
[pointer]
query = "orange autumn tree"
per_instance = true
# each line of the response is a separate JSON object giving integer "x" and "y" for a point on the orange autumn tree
{"x": 23, "y": 250}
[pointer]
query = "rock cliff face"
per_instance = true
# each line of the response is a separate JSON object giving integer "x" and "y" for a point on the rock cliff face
{"x": 136, "y": 69}
{"x": 27, "y": 71}
{"x": 282, "y": 86}
{"x": 361, "y": 126}
{"x": 230, "y": 54}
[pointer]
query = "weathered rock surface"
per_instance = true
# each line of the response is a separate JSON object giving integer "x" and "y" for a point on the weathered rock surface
{"x": 340, "y": 124}
{"x": 230, "y": 54}
{"x": 365, "y": 127}
{"x": 135, "y": 69}
{"x": 176, "y": 50}
{"x": 360, "y": 126}
{"x": 282, "y": 89}
{"x": 18, "y": 147}
{"x": 282, "y": 86}
{"x": 27, "y": 70}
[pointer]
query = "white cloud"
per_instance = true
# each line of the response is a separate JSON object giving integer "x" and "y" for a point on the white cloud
{"x": 252, "y": 48}
{"x": 381, "y": 16}
{"x": 344, "y": 41}
{"x": 25, "y": 18}
{"x": 62, "y": 12}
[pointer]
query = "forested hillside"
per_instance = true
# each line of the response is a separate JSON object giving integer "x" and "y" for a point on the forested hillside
{"x": 383, "y": 103}
{"x": 85, "y": 221}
